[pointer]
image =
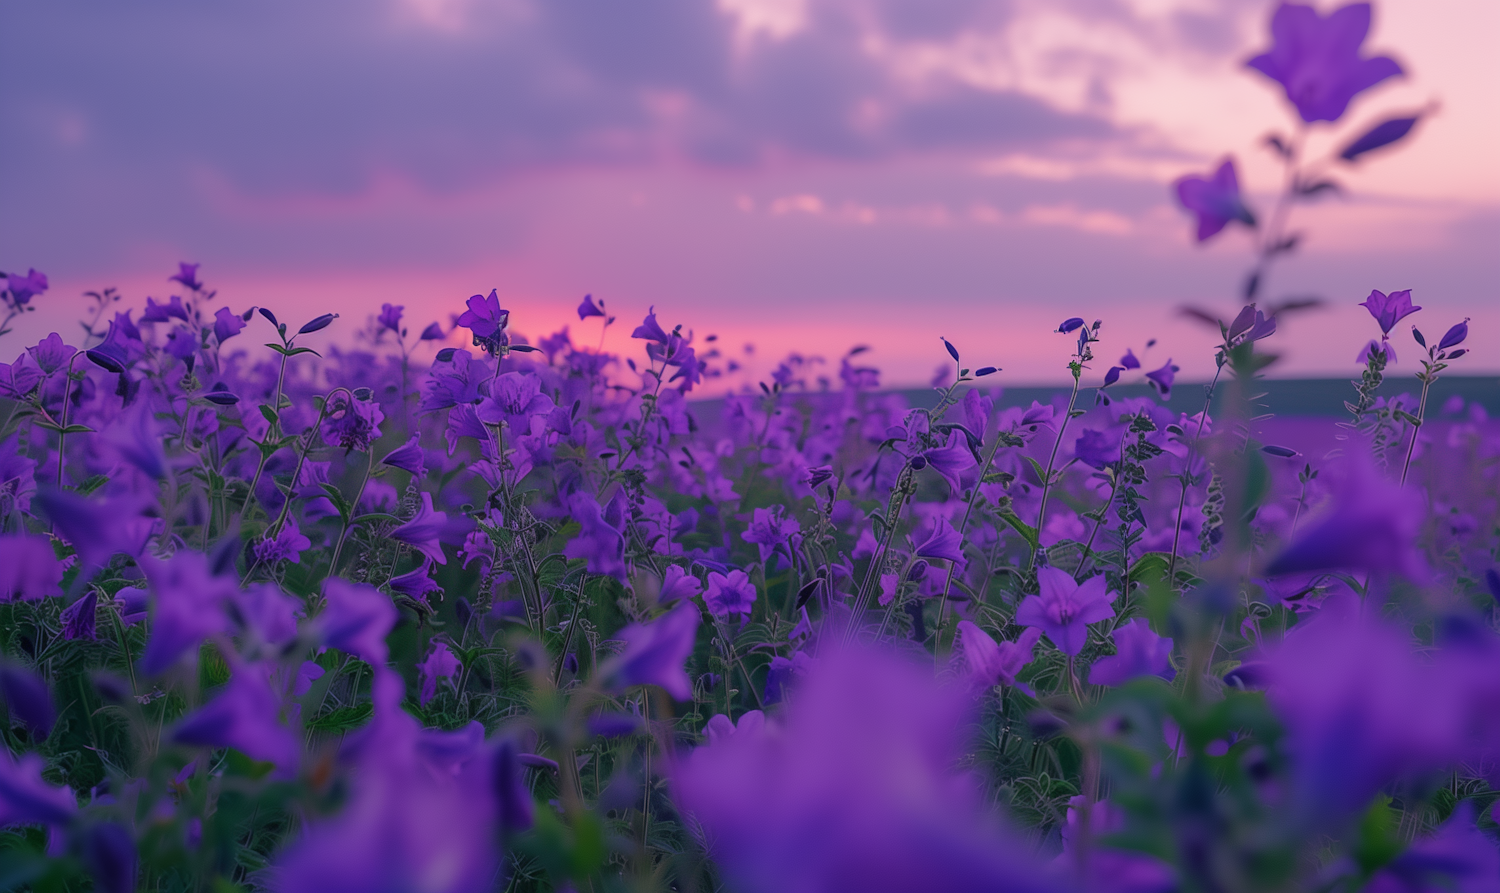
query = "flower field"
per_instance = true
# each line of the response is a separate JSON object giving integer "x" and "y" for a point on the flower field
{"x": 398, "y": 615}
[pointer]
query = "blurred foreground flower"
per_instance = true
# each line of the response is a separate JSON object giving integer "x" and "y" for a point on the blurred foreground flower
{"x": 853, "y": 788}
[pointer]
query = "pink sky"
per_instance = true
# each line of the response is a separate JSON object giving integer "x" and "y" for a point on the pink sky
{"x": 800, "y": 175}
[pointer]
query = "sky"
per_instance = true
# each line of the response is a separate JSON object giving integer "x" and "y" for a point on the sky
{"x": 800, "y": 175}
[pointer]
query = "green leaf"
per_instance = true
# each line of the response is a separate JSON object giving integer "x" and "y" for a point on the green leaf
{"x": 92, "y": 484}
{"x": 1025, "y": 530}
{"x": 268, "y": 413}
{"x": 343, "y": 718}
{"x": 1037, "y": 469}
{"x": 76, "y": 429}
{"x": 1379, "y": 841}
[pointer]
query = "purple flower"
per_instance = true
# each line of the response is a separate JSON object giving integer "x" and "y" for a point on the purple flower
{"x": 677, "y": 584}
{"x": 356, "y": 619}
{"x": 29, "y": 569}
{"x": 244, "y": 715}
{"x": 856, "y": 790}
{"x": 417, "y": 817}
{"x": 266, "y": 612}
{"x": 1361, "y": 708}
{"x": 734, "y": 594}
{"x": 1161, "y": 379}
{"x": 651, "y": 330}
{"x": 433, "y": 332}
{"x": 952, "y": 460}
{"x": 1389, "y": 309}
{"x": 17, "y": 477}
{"x": 439, "y": 664}
{"x": 25, "y": 798}
{"x": 78, "y": 619}
{"x": 1455, "y": 336}
{"x": 772, "y": 531}
{"x": 517, "y": 396}
{"x": 1129, "y": 361}
{"x": 287, "y": 544}
{"x": 942, "y": 542}
{"x": 600, "y": 539}
{"x": 589, "y": 308}
{"x": 110, "y": 854}
{"x": 227, "y": 324}
{"x": 97, "y": 530}
{"x": 655, "y": 652}
{"x": 352, "y": 424}
{"x": 183, "y": 345}
{"x": 155, "y": 312}
{"x": 19, "y": 379}
{"x": 1214, "y": 201}
{"x": 988, "y": 664}
{"x": 1097, "y": 449}
{"x": 1317, "y": 59}
{"x": 1457, "y": 857}
{"x": 1064, "y": 609}
{"x": 187, "y": 274}
{"x": 24, "y": 288}
{"x": 26, "y": 697}
{"x": 1372, "y": 527}
{"x": 390, "y": 316}
{"x": 486, "y": 322}
{"x": 417, "y": 582}
{"x": 188, "y": 601}
{"x": 425, "y": 530}
{"x": 408, "y": 457}
{"x": 51, "y": 354}
{"x": 1138, "y": 652}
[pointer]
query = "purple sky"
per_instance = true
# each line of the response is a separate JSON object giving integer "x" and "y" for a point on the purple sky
{"x": 803, "y": 175}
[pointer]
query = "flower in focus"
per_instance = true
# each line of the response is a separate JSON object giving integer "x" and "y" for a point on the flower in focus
{"x": 1064, "y": 609}
{"x": 425, "y": 530}
{"x": 854, "y": 790}
{"x": 352, "y": 424}
{"x": 1389, "y": 309}
{"x": 1138, "y": 652}
{"x": 1317, "y": 58}
{"x": 942, "y": 542}
{"x": 1455, "y": 336}
{"x": 655, "y": 652}
{"x": 486, "y": 321}
{"x": 1214, "y": 201}
{"x": 676, "y": 584}
{"x": 440, "y": 663}
{"x": 408, "y": 457}
{"x": 417, "y": 582}
{"x": 287, "y": 544}
{"x": 772, "y": 531}
{"x": 989, "y": 664}
{"x": 734, "y": 594}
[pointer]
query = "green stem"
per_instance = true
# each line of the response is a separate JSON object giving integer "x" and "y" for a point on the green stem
{"x": 1041, "y": 512}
